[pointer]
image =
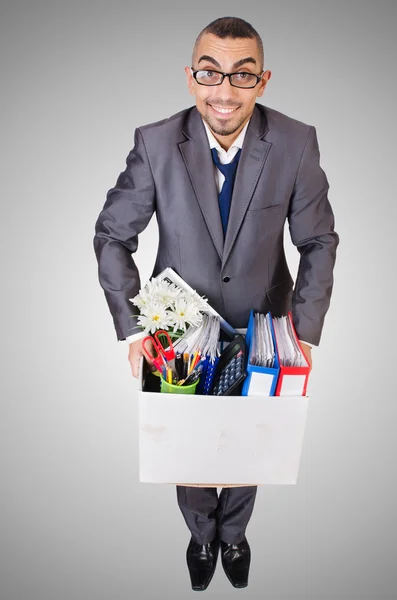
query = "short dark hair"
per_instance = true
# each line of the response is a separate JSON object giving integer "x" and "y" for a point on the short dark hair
{"x": 233, "y": 27}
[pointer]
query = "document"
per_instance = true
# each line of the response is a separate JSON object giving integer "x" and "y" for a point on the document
{"x": 289, "y": 351}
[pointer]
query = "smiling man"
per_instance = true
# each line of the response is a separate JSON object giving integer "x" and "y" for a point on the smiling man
{"x": 226, "y": 109}
{"x": 223, "y": 177}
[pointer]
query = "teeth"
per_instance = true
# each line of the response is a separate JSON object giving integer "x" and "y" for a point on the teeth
{"x": 223, "y": 110}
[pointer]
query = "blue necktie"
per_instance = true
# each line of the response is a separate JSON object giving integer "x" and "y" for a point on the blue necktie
{"x": 225, "y": 196}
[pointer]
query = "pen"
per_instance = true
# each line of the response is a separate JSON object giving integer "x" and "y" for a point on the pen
{"x": 198, "y": 360}
{"x": 179, "y": 365}
{"x": 185, "y": 364}
{"x": 194, "y": 376}
{"x": 191, "y": 367}
{"x": 191, "y": 378}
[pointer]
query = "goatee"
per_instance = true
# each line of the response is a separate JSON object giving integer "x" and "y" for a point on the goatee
{"x": 222, "y": 129}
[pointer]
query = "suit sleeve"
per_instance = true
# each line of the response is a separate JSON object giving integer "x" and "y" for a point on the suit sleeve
{"x": 311, "y": 225}
{"x": 127, "y": 211}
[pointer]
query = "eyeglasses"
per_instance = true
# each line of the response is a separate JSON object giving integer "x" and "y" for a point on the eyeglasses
{"x": 240, "y": 80}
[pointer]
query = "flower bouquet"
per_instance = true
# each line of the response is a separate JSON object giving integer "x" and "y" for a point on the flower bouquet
{"x": 164, "y": 305}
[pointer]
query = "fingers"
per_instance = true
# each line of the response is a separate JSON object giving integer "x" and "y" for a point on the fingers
{"x": 134, "y": 362}
{"x": 134, "y": 357}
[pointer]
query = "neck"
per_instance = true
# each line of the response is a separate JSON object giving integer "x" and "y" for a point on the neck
{"x": 226, "y": 141}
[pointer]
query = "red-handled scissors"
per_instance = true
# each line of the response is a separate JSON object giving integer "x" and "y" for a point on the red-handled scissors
{"x": 162, "y": 352}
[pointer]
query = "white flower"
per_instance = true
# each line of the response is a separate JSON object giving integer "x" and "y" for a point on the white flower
{"x": 199, "y": 302}
{"x": 162, "y": 292}
{"x": 142, "y": 299}
{"x": 155, "y": 316}
{"x": 144, "y": 296}
{"x": 185, "y": 312}
{"x": 166, "y": 293}
{"x": 163, "y": 304}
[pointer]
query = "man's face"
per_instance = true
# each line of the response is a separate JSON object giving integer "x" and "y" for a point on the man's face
{"x": 227, "y": 55}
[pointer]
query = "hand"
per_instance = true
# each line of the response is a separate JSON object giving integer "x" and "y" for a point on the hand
{"x": 134, "y": 357}
{"x": 307, "y": 352}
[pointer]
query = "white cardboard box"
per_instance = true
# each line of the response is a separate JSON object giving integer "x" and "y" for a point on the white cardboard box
{"x": 220, "y": 441}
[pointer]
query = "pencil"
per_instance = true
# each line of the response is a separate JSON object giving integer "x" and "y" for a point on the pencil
{"x": 191, "y": 364}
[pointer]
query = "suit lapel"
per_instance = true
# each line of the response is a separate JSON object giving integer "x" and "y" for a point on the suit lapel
{"x": 198, "y": 160}
{"x": 253, "y": 157}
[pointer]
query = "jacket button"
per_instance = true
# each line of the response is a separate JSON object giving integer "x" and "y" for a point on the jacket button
{"x": 226, "y": 279}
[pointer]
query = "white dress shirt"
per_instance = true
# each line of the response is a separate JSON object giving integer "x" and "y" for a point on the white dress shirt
{"x": 225, "y": 157}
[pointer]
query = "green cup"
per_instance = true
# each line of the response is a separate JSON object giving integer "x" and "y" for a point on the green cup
{"x": 170, "y": 388}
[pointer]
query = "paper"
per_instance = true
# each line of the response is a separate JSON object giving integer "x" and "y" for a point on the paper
{"x": 288, "y": 347}
{"x": 262, "y": 348}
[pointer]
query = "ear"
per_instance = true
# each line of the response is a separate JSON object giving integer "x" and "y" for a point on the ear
{"x": 190, "y": 80}
{"x": 265, "y": 78}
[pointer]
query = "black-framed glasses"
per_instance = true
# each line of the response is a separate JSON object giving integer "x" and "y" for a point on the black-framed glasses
{"x": 240, "y": 79}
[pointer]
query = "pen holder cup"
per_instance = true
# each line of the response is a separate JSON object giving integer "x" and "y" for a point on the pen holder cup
{"x": 170, "y": 388}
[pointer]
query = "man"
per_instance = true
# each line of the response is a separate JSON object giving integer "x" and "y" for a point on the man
{"x": 223, "y": 176}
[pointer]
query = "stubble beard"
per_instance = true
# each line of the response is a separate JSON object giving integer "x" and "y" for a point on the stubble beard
{"x": 222, "y": 128}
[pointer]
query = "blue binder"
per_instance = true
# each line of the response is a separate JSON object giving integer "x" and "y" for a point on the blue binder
{"x": 207, "y": 376}
{"x": 260, "y": 381}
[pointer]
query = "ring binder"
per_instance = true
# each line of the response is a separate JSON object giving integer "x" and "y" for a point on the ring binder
{"x": 260, "y": 381}
{"x": 280, "y": 379}
{"x": 292, "y": 380}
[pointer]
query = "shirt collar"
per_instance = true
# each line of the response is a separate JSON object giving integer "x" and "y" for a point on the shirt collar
{"x": 238, "y": 142}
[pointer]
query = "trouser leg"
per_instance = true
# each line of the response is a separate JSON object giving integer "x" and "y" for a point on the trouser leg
{"x": 198, "y": 506}
{"x": 235, "y": 506}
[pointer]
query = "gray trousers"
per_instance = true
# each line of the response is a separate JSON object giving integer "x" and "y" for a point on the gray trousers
{"x": 206, "y": 515}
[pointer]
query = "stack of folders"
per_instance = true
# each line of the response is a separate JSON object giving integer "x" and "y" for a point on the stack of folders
{"x": 202, "y": 340}
{"x": 276, "y": 365}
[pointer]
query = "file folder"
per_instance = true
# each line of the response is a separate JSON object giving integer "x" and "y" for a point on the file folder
{"x": 260, "y": 381}
{"x": 292, "y": 381}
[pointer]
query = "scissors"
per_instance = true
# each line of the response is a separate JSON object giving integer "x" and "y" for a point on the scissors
{"x": 163, "y": 356}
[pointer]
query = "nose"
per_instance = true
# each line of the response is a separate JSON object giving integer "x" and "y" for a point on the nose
{"x": 225, "y": 90}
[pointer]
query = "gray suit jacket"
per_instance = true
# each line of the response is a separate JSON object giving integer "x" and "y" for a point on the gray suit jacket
{"x": 170, "y": 171}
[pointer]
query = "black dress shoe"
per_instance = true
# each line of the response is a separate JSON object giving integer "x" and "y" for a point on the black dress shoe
{"x": 201, "y": 560}
{"x": 236, "y": 560}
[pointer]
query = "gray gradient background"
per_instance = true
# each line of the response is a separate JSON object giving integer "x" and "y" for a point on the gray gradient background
{"x": 76, "y": 524}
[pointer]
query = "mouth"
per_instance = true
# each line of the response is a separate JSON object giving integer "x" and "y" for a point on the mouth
{"x": 222, "y": 111}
